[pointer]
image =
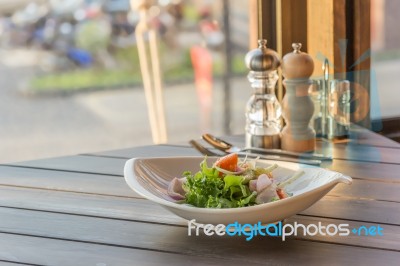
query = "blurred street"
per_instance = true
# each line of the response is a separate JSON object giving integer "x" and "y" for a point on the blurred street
{"x": 45, "y": 126}
{"x": 75, "y": 45}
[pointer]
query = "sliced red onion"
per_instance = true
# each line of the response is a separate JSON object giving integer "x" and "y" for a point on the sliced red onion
{"x": 175, "y": 188}
{"x": 267, "y": 195}
{"x": 253, "y": 185}
{"x": 263, "y": 181}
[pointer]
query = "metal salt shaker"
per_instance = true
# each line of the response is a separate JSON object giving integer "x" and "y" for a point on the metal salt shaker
{"x": 263, "y": 111}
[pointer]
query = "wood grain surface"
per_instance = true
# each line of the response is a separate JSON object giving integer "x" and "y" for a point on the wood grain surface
{"x": 77, "y": 210}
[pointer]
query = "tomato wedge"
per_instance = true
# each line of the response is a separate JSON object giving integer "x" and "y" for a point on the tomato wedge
{"x": 228, "y": 162}
{"x": 281, "y": 193}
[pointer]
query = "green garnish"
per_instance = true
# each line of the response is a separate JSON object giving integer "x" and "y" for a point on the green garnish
{"x": 207, "y": 189}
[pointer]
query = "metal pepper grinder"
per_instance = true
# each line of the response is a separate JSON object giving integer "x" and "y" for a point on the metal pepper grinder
{"x": 298, "y": 108}
{"x": 263, "y": 111}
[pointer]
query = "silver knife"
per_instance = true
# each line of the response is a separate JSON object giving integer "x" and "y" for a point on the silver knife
{"x": 227, "y": 147}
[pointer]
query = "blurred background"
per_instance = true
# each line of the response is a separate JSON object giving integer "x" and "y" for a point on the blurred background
{"x": 71, "y": 82}
{"x": 70, "y": 79}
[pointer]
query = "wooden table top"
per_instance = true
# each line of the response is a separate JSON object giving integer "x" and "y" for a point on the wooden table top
{"x": 78, "y": 210}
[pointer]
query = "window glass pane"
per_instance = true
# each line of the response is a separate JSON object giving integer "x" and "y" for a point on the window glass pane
{"x": 71, "y": 81}
{"x": 385, "y": 43}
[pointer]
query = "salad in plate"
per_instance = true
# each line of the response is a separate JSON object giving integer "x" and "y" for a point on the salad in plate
{"x": 229, "y": 183}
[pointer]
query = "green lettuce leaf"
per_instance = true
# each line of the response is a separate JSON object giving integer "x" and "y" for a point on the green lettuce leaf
{"x": 207, "y": 189}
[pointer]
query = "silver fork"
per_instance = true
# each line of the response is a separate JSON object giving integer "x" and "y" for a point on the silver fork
{"x": 203, "y": 150}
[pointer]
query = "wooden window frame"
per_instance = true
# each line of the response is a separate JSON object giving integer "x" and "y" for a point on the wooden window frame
{"x": 338, "y": 30}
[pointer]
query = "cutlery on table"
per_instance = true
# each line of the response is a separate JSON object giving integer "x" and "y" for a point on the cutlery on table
{"x": 203, "y": 150}
{"x": 229, "y": 148}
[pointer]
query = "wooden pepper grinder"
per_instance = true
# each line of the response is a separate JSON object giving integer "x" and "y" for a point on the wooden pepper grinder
{"x": 298, "y": 108}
